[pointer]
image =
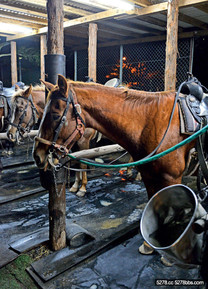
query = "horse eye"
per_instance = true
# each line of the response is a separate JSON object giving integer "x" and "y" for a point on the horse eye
{"x": 55, "y": 116}
{"x": 57, "y": 106}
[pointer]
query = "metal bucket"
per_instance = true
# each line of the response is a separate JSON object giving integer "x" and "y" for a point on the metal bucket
{"x": 166, "y": 225}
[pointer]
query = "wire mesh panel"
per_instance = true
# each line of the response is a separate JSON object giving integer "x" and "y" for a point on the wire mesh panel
{"x": 82, "y": 65}
{"x": 183, "y": 59}
{"x": 143, "y": 66}
{"x": 108, "y": 63}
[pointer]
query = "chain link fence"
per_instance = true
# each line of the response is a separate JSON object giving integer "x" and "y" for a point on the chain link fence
{"x": 143, "y": 65}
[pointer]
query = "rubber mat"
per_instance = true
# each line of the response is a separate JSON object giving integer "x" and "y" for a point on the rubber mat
{"x": 106, "y": 225}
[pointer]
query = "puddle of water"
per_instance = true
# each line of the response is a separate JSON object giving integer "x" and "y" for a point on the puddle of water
{"x": 112, "y": 223}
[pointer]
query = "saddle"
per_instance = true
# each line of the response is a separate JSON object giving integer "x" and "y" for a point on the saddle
{"x": 193, "y": 107}
{"x": 6, "y": 94}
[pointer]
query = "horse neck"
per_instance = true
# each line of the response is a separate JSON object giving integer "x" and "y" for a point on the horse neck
{"x": 107, "y": 111}
{"x": 39, "y": 101}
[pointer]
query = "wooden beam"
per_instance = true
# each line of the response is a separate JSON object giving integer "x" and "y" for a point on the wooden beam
{"x": 194, "y": 22}
{"x": 203, "y": 7}
{"x": 142, "y": 3}
{"x": 91, "y": 18}
{"x": 92, "y": 52}
{"x": 99, "y": 151}
{"x": 43, "y": 52}
{"x": 184, "y": 3}
{"x": 171, "y": 45}
{"x": 146, "y": 39}
{"x": 15, "y": 7}
{"x": 23, "y": 22}
{"x": 24, "y": 13}
{"x": 163, "y": 6}
{"x": 113, "y": 13}
{"x": 32, "y": 133}
{"x": 23, "y": 16}
{"x": 13, "y": 62}
{"x": 42, "y": 4}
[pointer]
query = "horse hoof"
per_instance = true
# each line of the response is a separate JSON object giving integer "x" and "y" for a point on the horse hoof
{"x": 146, "y": 249}
{"x": 166, "y": 262}
{"x": 138, "y": 177}
{"x": 129, "y": 175}
{"x": 73, "y": 190}
{"x": 80, "y": 193}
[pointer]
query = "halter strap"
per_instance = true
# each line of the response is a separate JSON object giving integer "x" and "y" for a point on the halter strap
{"x": 72, "y": 98}
{"x": 33, "y": 117}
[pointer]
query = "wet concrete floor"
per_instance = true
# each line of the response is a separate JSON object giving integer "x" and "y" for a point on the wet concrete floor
{"x": 119, "y": 265}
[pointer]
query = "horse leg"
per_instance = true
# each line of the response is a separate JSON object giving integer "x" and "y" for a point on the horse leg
{"x": 129, "y": 171}
{"x": 138, "y": 177}
{"x": 75, "y": 186}
{"x": 82, "y": 190}
{"x": 10, "y": 148}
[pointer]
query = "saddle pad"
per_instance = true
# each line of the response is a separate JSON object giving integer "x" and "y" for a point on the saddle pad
{"x": 1, "y": 101}
{"x": 188, "y": 124}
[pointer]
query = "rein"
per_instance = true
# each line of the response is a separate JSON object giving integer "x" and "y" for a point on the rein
{"x": 65, "y": 148}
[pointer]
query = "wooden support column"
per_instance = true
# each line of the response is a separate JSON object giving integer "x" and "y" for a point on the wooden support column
{"x": 55, "y": 43}
{"x": 57, "y": 200}
{"x": 13, "y": 62}
{"x": 171, "y": 45}
{"x": 92, "y": 52}
{"x": 43, "y": 51}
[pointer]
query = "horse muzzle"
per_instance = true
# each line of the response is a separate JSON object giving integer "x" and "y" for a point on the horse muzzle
{"x": 11, "y": 136}
{"x": 45, "y": 161}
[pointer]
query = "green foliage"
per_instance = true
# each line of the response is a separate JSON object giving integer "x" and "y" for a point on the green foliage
{"x": 30, "y": 54}
{"x": 14, "y": 274}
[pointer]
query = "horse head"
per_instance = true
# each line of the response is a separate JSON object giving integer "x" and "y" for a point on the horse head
{"x": 61, "y": 126}
{"x": 23, "y": 115}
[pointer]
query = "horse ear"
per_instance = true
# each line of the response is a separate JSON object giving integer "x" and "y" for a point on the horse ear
{"x": 62, "y": 84}
{"x": 16, "y": 87}
{"x": 48, "y": 85}
{"x": 28, "y": 91}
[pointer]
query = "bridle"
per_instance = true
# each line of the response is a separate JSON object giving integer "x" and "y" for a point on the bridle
{"x": 80, "y": 125}
{"x": 33, "y": 120}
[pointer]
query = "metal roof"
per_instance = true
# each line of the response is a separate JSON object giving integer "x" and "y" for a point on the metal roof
{"x": 146, "y": 20}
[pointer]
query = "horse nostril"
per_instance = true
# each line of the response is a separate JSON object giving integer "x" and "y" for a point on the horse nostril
{"x": 37, "y": 160}
{"x": 10, "y": 135}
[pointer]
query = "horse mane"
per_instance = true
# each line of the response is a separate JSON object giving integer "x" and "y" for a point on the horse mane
{"x": 20, "y": 91}
{"x": 129, "y": 95}
{"x": 39, "y": 87}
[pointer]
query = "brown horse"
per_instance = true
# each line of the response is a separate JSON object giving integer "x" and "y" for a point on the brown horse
{"x": 28, "y": 106}
{"x": 136, "y": 120}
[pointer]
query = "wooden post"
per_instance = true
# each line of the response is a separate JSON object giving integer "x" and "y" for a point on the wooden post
{"x": 92, "y": 52}
{"x": 171, "y": 45}
{"x": 13, "y": 62}
{"x": 43, "y": 51}
{"x": 55, "y": 43}
{"x": 57, "y": 199}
